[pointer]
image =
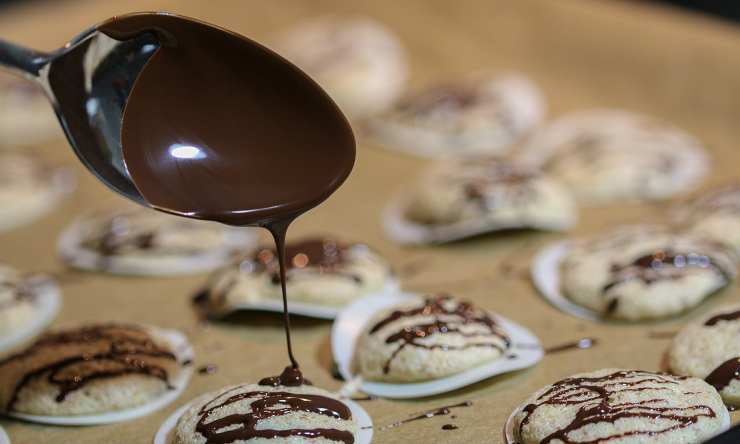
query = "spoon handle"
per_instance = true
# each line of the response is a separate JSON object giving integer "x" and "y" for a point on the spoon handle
{"x": 22, "y": 60}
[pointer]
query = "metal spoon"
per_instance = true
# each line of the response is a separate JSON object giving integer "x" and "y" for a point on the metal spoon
{"x": 97, "y": 74}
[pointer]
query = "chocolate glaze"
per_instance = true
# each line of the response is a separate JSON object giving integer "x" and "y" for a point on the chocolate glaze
{"x": 450, "y": 427}
{"x": 122, "y": 349}
{"x": 581, "y": 344}
{"x": 661, "y": 265}
{"x": 290, "y": 377}
{"x": 463, "y": 313}
{"x": 218, "y": 127}
{"x": 730, "y": 316}
{"x": 243, "y": 426}
{"x": 723, "y": 375}
{"x": 594, "y": 394}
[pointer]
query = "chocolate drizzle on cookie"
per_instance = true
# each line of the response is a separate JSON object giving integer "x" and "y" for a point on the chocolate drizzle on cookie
{"x": 448, "y": 317}
{"x": 730, "y": 316}
{"x": 592, "y": 395}
{"x": 106, "y": 352}
{"x": 664, "y": 264}
{"x": 265, "y": 405}
{"x": 723, "y": 375}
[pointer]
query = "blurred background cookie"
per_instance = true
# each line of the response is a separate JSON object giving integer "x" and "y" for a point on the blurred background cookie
{"x": 457, "y": 199}
{"x": 359, "y": 62}
{"x": 715, "y": 215}
{"x": 26, "y": 116}
{"x": 29, "y": 188}
{"x": 644, "y": 272}
{"x": 146, "y": 242}
{"x": 427, "y": 339}
{"x": 484, "y": 114}
{"x": 611, "y": 155}
{"x": 321, "y": 270}
{"x": 710, "y": 350}
{"x": 625, "y": 406}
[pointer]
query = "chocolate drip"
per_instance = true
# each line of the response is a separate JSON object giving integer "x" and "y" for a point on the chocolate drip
{"x": 439, "y": 411}
{"x": 662, "y": 265}
{"x": 582, "y": 343}
{"x": 290, "y": 377}
{"x": 593, "y": 394}
{"x": 243, "y": 426}
{"x": 450, "y": 427}
{"x": 723, "y": 375}
{"x": 114, "y": 239}
{"x": 731, "y": 316}
{"x": 122, "y": 351}
{"x": 463, "y": 313}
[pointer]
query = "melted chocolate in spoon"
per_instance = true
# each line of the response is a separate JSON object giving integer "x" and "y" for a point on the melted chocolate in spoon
{"x": 218, "y": 127}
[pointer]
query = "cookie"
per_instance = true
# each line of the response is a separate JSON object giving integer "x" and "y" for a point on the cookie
{"x": 357, "y": 60}
{"x": 26, "y": 116}
{"x": 644, "y": 272}
{"x": 29, "y": 188}
{"x": 18, "y": 304}
{"x": 427, "y": 339}
{"x": 710, "y": 349}
{"x": 624, "y": 406}
{"x": 611, "y": 155}
{"x": 476, "y": 116}
{"x": 87, "y": 370}
{"x": 146, "y": 242}
{"x": 321, "y": 270}
{"x": 261, "y": 413}
{"x": 715, "y": 215}
{"x": 468, "y": 197}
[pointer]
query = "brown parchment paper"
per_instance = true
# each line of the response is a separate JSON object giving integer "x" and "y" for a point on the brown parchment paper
{"x": 582, "y": 53}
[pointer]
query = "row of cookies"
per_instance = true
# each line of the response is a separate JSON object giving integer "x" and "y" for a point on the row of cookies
{"x": 688, "y": 404}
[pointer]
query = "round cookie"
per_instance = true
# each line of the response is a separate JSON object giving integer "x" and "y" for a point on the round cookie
{"x": 18, "y": 300}
{"x": 322, "y": 271}
{"x": 715, "y": 215}
{"x": 427, "y": 339}
{"x": 610, "y": 155}
{"x": 28, "y": 188}
{"x": 710, "y": 349}
{"x": 491, "y": 192}
{"x": 88, "y": 370}
{"x": 26, "y": 116}
{"x": 624, "y": 406}
{"x": 261, "y": 414}
{"x": 481, "y": 115}
{"x": 146, "y": 242}
{"x": 644, "y": 272}
{"x": 357, "y": 60}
